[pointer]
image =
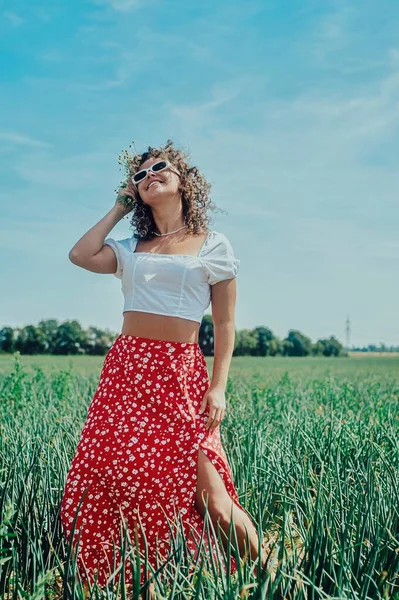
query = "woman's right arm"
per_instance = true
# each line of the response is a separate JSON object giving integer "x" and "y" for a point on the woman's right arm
{"x": 89, "y": 251}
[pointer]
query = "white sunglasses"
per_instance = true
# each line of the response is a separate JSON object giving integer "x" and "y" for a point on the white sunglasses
{"x": 155, "y": 168}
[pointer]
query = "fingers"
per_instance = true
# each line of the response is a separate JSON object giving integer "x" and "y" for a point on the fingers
{"x": 129, "y": 189}
{"x": 203, "y": 407}
{"x": 215, "y": 418}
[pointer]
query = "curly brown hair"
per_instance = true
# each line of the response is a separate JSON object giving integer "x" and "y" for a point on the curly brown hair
{"x": 195, "y": 191}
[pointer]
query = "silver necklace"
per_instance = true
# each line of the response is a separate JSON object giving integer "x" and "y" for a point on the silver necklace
{"x": 170, "y": 232}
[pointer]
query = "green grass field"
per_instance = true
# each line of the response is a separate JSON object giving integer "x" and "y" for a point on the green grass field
{"x": 314, "y": 449}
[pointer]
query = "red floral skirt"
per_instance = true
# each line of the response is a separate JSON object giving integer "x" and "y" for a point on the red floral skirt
{"x": 137, "y": 455}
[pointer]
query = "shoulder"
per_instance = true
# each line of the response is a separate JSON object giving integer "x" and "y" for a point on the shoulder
{"x": 216, "y": 242}
{"x": 218, "y": 257}
{"x": 124, "y": 246}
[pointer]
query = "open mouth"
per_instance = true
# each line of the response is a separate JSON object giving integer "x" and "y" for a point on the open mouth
{"x": 153, "y": 182}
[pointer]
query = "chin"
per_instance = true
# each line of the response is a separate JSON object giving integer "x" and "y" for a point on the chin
{"x": 158, "y": 194}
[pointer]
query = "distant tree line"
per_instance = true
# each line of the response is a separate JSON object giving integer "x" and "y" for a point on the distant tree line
{"x": 52, "y": 337}
{"x": 374, "y": 348}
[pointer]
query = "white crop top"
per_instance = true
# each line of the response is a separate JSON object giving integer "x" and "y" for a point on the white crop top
{"x": 177, "y": 285}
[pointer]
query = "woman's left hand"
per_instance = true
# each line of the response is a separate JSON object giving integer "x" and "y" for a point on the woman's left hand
{"x": 215, "y": 397}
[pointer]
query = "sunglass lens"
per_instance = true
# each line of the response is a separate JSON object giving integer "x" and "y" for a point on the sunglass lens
{"x": 139, "y": 176}
{"x": 159, "y": 166}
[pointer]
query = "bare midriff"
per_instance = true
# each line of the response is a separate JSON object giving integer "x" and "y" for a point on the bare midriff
{"x": 160, "y": 327}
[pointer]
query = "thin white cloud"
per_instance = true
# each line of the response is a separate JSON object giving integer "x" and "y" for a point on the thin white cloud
{"x": 14, "y": 19}
{"x": 341, "y": 41}
{"x": 339, "y": 238}
{"x": 318, "y": 161}
{"x": 220, "y": 94}
{"x": 53, "y": 56}
{"x": 121, "y": 77}
{"x": 386, "y": 249}
{"x": 121, "y": 5}
{"x": 42, "y": 12}
{"x": 75, "y": 172}
{"x": 12, "y": 137}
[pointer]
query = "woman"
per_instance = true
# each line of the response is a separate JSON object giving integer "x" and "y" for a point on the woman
{"x": 150, "y": 449}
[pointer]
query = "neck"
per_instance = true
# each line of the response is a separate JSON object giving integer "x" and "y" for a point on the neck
{"x": 168, "y": 218}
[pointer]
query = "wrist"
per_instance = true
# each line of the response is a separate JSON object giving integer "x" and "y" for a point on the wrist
{"x": 119, "y": 210}
{"x": 218, "y": 385}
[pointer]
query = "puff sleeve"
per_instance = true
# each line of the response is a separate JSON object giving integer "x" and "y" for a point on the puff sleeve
{"x": 219, "y": 259}
{"x": 122, "y": 249}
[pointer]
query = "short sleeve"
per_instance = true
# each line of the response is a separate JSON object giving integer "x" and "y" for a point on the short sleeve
{"x": 219, "y": 259}
{"x": 122, "y": 249}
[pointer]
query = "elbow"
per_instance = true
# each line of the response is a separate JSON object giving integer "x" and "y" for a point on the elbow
{"x": 75, "y": 258}
{"x": 72, "y": 257}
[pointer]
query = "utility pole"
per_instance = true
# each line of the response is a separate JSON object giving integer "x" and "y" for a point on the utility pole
{"x": 347, "y": 332}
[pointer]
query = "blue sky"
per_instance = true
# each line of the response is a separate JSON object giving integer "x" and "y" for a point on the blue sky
{"x": 289, "y": 108}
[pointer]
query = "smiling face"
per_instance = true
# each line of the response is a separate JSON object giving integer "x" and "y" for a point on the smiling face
{"x": 157, "y": 185}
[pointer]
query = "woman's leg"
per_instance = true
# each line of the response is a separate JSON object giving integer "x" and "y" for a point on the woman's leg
{"x": 211, "y": 489}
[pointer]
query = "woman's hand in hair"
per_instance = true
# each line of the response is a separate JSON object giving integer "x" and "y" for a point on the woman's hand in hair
{"x": 127, "y": 196}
